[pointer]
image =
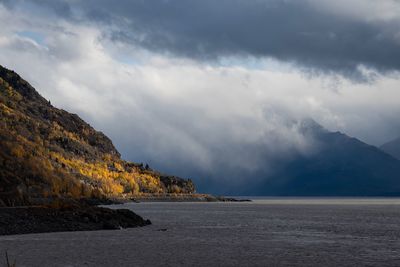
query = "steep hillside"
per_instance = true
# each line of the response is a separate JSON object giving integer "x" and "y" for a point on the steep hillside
{"x": 392, "y": 148}
{"x": 48, "y": 152}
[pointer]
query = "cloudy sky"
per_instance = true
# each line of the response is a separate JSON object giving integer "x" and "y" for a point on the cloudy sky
{"x": 192, "y": 87}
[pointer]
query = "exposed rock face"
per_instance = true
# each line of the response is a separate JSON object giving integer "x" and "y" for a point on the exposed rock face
{"x": 48, "y": 152}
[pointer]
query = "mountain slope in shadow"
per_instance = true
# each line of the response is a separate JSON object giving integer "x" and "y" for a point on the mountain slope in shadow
{"x": 392, "y": 148}
{"x": 340, "y": 166}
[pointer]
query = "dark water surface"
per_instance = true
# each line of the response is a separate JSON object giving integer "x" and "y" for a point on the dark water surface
{"x": 266, "y": 232}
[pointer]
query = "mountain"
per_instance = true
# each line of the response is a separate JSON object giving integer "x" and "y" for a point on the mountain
{"x": 392, "y": 148}
{"x": 47, "y": 152}
{"x": 340, "y": 166}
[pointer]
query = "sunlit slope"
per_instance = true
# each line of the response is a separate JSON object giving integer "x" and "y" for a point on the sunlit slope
{"x": 48, "y": 152}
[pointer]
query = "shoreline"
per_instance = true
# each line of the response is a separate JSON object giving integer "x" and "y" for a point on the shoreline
{"x": 42, "y": 219}
{"x": 133, "y": 199}
{"x": 184, "y": 198}
{"x": 204, "y": 234}
{"x": 66, "y": 215}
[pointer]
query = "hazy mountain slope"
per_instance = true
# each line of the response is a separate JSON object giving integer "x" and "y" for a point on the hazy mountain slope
{"x": 45, "y": 151}
{"x": 341, "y": 166}
{"x": 392, "y": 148}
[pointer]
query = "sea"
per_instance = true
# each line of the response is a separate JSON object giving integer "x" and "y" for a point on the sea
{"x": 264, "y": 232}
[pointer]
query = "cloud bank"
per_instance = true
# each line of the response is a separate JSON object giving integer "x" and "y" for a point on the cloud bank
{"x": 212, "y": 90}
{"x": 321, "y": 36}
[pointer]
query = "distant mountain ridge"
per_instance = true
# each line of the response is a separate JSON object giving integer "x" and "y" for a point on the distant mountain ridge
{"x": 341, "y": 166}
{"x": 48, "y": 152}
{"x": 392, "y": 148}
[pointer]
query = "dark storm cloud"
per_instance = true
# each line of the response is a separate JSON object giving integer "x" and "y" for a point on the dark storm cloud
{"x": 60, "y": 8}
{"x": 293, "y": 31}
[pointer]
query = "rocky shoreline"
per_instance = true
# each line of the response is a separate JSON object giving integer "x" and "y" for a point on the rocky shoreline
{"x": 181, "y": 198}
{"x": 25, "y": 220}
{"x": 49, "y": 215}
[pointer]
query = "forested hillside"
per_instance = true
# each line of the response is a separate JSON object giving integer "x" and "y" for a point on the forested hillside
{"x": 47, "y": 152}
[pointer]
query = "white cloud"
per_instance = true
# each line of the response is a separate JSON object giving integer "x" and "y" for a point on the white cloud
{"x": 174, "y": 112}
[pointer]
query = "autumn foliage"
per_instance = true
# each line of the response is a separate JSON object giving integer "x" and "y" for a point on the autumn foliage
{"x": 47, "y": 152}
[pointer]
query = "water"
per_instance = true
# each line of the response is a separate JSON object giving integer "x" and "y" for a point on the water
{"x": 266, "y": 232}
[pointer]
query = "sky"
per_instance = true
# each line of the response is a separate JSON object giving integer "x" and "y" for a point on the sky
{"x": 209, "y": 88}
